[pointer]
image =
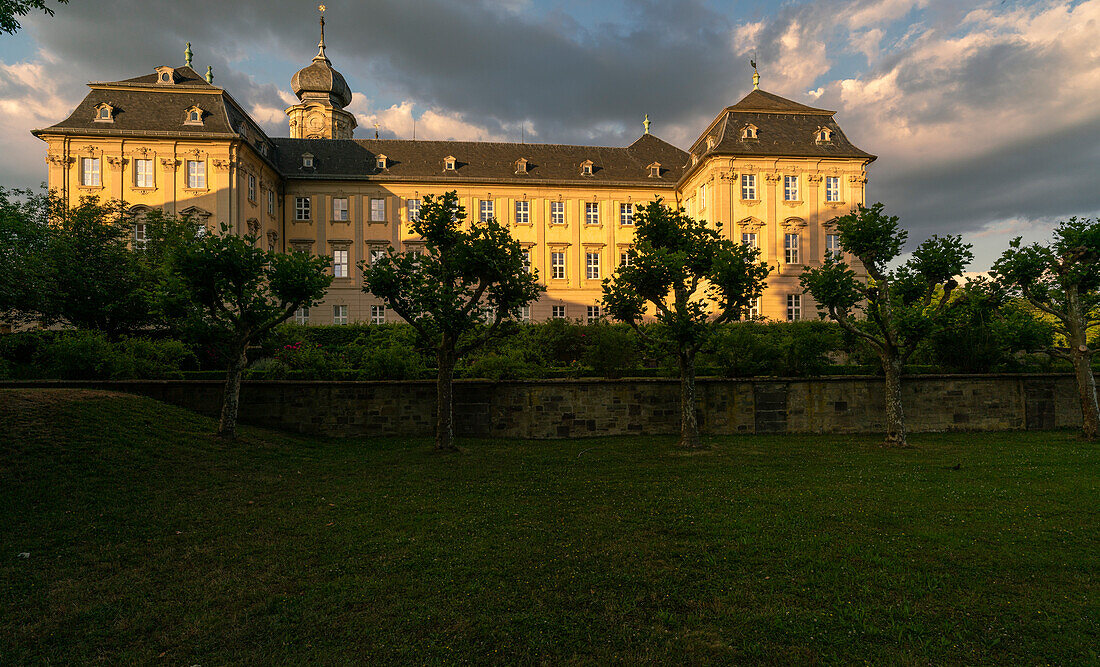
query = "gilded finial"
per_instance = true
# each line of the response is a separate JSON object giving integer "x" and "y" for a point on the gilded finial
{"x": 187, "y": 55}
{"x": 210, "y": 74}
{"x": 755, "y": 75}
{"x": 376, "y": 130}
{"x": 645, "y": 123}
{"x": 321, "y": 45}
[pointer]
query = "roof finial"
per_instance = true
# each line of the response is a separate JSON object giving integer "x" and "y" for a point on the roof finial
{"x": 321, "y": 44}
{"x": 376, "y": 130}
{"x": 755, "y": 75}
{"x": 645, "y": 123}
{"x": 210, "y": 74}
{"x": 187, "y": 55}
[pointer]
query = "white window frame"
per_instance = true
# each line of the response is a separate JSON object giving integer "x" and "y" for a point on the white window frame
{"x": 593, "y": 313}
{"x": 748, "y": 187}
{"x": 592, "y": 213}
{"x": 794, "y": 307}
{"x": 525, "y": 313}
{"x": 626, "y": 215}
{"x": 196, "y": 174}
{"x": 376, "y": 253}
{"x": 89, "y": 172}
{"x": 790, "y": 188}
{"x": 485, "y": 210}
{"x": 754, "y": 309}
{"x": 251, "y": 187}
{"x": 144, "y": 173}
{"x": 523, "y": 212}
{"x": 340, "y": 315}
{"x": 557, "y": 265}
{"x": 749, "y": 239}
{"x": 303, "y": 208}
{"x": 412, "y": 209}
{"x": 526, "y": 259}
{"x": 271, "y": 202}
{"x": 832, "y": 245}
{"x": 557, "y": 312}
{"x": 340, "y": 263}
{"x": 377, "y": 314}
{"x": 378, "y": 209}
{"x": 832, "y": 188}
{"x": 557, "y": 213}
{"x": 791, "y": 248}
{"x": 139, "y": 236}
{"x": 703, "y": 197}
{"x": 301, "y": 316}
{"x": 340, "y": 209}
{"x": 626, "y": 258}
{"x": 592, "y": 265}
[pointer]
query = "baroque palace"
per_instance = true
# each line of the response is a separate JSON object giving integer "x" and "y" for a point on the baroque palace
{"x": 772, "y": 171}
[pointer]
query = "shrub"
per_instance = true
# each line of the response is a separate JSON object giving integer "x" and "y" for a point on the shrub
{"x": 610, "y": 349}
{"x": 507, "y": 365}
{"x": 157, "y": 358}
{"x": 83, "y": 355}
{"x": 310, "y": 360}
{"x": 268, "y": 368}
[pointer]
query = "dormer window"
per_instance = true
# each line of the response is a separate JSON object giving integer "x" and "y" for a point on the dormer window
{"x": 521, "y": 166}
{"x": 823, "y": 135}
{"x": 749, "y": 132}
{"x": 449, "y": 163}
{"x": 381, "y": 162}
{"x": 654, "y": 170}
{"x": 307, "y": 161}
{"x": 710, "y": 143}
{"x": 586, "y": 168}
{"x": 104, "y": 113}
{"x": 166, "y": 76}
{"x": 194, "y": 116}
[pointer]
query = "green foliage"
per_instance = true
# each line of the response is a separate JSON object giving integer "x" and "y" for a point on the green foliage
{"x": 10, "y": 9}
{"x": 508, "y": 364}
{"x": 611, "y": 350}
{"x": 91, "y": 355}
{"x": 789, "y": 349}
{"x": 23, "y": 235}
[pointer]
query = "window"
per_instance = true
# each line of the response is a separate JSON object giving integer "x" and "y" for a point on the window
{"x": 790, "y": 248}
{"x": 525, "y": 313}
{"x": 702, "y": 196}
{"x": 586, "y": 168}
{"x": 626, "y": 214}
{"x": 592, "y": 213}
{"x": 485, "y": 210}
{"x": 523, "y": 212}
{"x": 139, "y": 236}
{"x": 301, "y": 316}
{"x": 340, "y": 209}
{"x": 339, "y": 314}
{"x": 527, "y": 260}
{"x": 749, "y": 132}
{"x": 103, "y": 113}
{"x": 754, "y": 309}
{"x": 271, "y": 202}
{"x": 626, "y": 258}
{"x": 196, "y": 174}
{"x": 376, "y": 254}
{"x": 794, "y": 307}
{"x": 655, "y": 170}
{"x": 823, "y": 134}
{"x": 194, "y": 117}
{"x": 413, "y": 206}
{"x": 165, "y": 77}
{"x": 302, "y": 208}
{"x": 89, "y": 171}
{"x": 749, "y": 239}
{"x": 380, "y": 162}
{"x": 557, "y": 265}
{"x": 143, "y": 173}
{"x": 449, "y": 163}
{"x": 377, "y": 314}
{"x": 557, "y": 312}
{"x": 251, "y": 188}
{"x": 832, "y": 245}
{"x": 340, "y": 263}
{"x": 832, "y": 188}
{"x": 748, "y": 186}
{"x": 593, "y": 314}
{"x": 377, "y": 210}
{"x": 790, "y": 188}
{"x": 592, "y": 265}
{"x": 557, "y": 213}
{"x": 307, "y": 161}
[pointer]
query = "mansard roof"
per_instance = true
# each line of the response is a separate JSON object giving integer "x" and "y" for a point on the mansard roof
{"x": 409, "y": 160}
{"x": 185, "y": 78}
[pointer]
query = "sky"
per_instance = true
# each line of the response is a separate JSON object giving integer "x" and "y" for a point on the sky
{"x": 985, "y": 115}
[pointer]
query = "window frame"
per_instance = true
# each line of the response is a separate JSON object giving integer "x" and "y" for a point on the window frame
{"x": 91, "y": 175}
{"x": 252, "y": 188}
{"x": 485, "y": 210}
{"x": 412, "y": 209}
{"x": 591, "y": 265}
{"x": 340, "y": 263}
{"x": 557, "y": 265}
{"x": 750, "y": 239}
{"x": 138, "y": 172}
{"x": 196, "y": 174}
{"x": 626, "y": 214}
{"x": 378, "y": 209}
{"x": 791, "y": 188}
{"x": 523, "y": 217}
{"x": 748, "y": 187}
{"x": 301, "y": 316}
{"x": 794, "y": 307}
{"x": 557, "y": 312}
{"x": 832, "y": 189}
{"x": 557, "y": 217}
{"x": 339, "y": 314}
{"x": 592, "y": 213}
{"x": 303, "y": 209}
{"x": 792, "y": 248}
{"x": 338, "y": 210}
{"x": 377, "y": 314}
{"x": 593, "y": 314}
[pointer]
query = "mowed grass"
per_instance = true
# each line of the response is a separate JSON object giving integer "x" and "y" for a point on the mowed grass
{"x": 150, "y": 541}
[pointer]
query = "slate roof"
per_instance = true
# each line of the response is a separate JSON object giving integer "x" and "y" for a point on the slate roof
{"x": 138, "y": 111}
{"x": 185, "y": 78}
{"x": 480, "y": 161}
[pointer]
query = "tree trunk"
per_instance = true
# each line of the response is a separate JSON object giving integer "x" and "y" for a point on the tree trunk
{"x": 1086, "y": 392}
{"x": 227, "y": 426}
{"x": 895, "y": 417}
{"x": 689, "y": 425}
{"x": 444, "y": 397}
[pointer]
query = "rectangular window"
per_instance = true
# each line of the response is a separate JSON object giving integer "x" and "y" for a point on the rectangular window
{"x": 251, "y": 188}
{"x": 592, "y": 265}
{"x": 592, "y": 213}
{"x": 749, "y": 239}
{"x": 89, "y": 171}
{"x": 790, "y": 248}
{"x": 626, "y": 214}
{"x": 702, "y": 196}
{"x": 527, "y": 260}
{"x": 754, "y": 309}
{"x": 832, "y": 188}
{"x": 301, "y": 316}
{"x": 340, "y": 263}
{"x": 593, "y": 314}
{"x": 557, "y": 265}
{"x": 626, "y": 258}
{"x": 748, "y": 186}
{"x": 413, "y": 206}
{"x": 302, "y": 208}
{"x": 557, "y": 213}
{"x": 790, "y": 188}
{"x": 339, "y": 314}
{"x": 271, "y": 202}
{"x": 196, "y": 174}
{"x": 486, "y": 210}
{"x": 832, "y": 245}
{"x": 376, "y": 254}
{"x": 523, "y": 212}
{"x": 377, "y": 314}
{"x": 794, "y": 307}
{"x": 139, "y": 236}
{"x": 378, "y": 210}
{"x": 557, "y": 312}
{"x": 143, "y": 173}
{"x": 525, "y": 313}
{"x": 340, "y": 209}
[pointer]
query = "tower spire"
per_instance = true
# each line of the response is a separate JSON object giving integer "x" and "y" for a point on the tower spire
{"x": 321, "y": 44}
{"x": 187, "y": 55}
{"x": 645, "y": 123}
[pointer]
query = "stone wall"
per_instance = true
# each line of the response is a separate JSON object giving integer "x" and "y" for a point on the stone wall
{"x": 579, "y": 408}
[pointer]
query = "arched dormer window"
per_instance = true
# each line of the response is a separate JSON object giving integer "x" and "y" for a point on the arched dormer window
{"x": 307, "y": 161}
{"x": 193, "y": 116}
{"x": 166, "y": 76}
{"x": 521, "y": 166}
{"x": 749, "y": 132}
{"x": 586, "y": 168}
{"x": 381, "y": 161}
{"x": 823, "y": 135}
{"x": 449, "y": 163}
{"x": 104, "y": 113}
{"x": 710, "y": 142}
{"x": 654, "y": 170}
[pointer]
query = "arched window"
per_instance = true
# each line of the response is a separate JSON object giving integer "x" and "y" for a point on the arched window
{"x": 749, "y": 132}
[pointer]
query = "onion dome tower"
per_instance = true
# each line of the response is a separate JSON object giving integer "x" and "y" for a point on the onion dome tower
{"x": 323, "y": 94}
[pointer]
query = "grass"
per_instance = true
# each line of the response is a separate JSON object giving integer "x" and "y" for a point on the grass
{"x": 150, "y": 541}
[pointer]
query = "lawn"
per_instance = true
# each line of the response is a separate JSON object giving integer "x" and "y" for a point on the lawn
{"x": 149, "y": 541}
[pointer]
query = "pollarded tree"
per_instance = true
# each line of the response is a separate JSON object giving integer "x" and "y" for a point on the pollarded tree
{"x": 235, "y": 292}
{"x": 900, "y": 306}
{"x": 1062, "y": 279}
{"x": 457, "y": 293}
{"x": 692, "y": 279}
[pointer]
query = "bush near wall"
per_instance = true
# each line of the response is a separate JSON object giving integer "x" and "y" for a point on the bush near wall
{"x": 90, "y": 355}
